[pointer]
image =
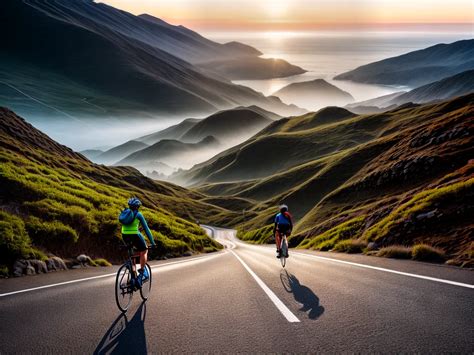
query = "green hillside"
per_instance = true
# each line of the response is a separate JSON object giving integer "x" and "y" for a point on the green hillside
{"x": 398, "y": 177}
{"x": 55, "y": 201}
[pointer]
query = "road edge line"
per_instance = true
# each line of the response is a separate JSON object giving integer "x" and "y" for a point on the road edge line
{"x": 449, "y": 282}
{"x": 103, "y": 276}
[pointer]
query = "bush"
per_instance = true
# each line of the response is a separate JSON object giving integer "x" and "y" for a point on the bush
{"x": 350, "y": 246}
{"x": 50, "y": 233}
{"x": 395, "y": 251}
{"x": 424, "y": 252}
{"x": 101, "y": 262}
{"x": 14, "y": 241}
{"x": 3, "y": 271}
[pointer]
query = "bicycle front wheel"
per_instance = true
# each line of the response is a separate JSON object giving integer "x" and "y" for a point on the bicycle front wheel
{"x": 146, "y": 284}
{"x": 124, "y": 288}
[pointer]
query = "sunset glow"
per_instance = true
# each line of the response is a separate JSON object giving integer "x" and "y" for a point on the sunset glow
{"x": 303, "y": 14}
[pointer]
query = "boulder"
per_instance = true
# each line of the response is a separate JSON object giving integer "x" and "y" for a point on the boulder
{"x": 55, "y": 264}
{"x": 38, "y": 265}
{"x": 85, "y": 260}
{"x": 30, "y": 270}
{"x": 19, "y": 268}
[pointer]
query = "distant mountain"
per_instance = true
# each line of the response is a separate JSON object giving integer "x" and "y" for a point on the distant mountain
{"x": 172, "y": 132}
{"x": 253, "y": 68}
{"x": 77, "y": 58}
{"x": 221, "y": 131}
{"x": 314, "y": 93}
{"x": 448, "y": 88}
{"x": 56, "y": 202}
{"x": 417, "y": 68}
{"x": 171, "y": 152}
{"x": 91, "y": 153}
{"x": 119, "y": 152}
{"x": 228, "y": 126}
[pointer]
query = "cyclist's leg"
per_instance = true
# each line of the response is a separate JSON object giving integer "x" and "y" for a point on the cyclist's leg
{"x": 277, "y": 240}
{"x": 141, "y": 247}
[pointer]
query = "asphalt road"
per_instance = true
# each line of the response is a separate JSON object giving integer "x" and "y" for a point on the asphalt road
{"x": 242, "y": 300}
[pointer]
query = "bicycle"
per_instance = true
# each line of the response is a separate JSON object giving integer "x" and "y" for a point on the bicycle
{"x": 283, "y": 249}
{"x": 127, "y": 282}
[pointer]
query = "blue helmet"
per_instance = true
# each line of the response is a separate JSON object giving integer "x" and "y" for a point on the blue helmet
{"x": 134, "y": 202}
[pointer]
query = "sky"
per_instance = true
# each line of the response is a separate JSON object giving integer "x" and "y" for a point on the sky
{"x": 303, "y": 14}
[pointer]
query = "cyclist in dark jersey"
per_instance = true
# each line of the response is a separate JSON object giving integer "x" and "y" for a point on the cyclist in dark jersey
{"x": 283, "y": 225}
{"x": 132, "y": 236}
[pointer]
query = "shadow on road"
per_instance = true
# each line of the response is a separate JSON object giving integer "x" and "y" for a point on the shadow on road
{"x": 302, "y": 294}
{"x": 124, "y": 336}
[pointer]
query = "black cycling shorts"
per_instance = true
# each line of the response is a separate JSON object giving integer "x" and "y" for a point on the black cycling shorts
{"x": 283, "y": 228}
{"x": 135, "y": 240}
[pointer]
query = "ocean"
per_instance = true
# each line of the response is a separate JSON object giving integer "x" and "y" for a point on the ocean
{"x": 324, "y": 54}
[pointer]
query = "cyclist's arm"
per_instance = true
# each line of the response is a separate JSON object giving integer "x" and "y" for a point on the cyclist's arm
{"x": 275, "y": 223}
{"x": 145, "y": 227}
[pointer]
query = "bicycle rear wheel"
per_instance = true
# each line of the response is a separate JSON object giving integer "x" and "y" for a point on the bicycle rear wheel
{"x": 124, "y": 288}
{"x": 146, "y": 285}
{"x": 283, "y": 252}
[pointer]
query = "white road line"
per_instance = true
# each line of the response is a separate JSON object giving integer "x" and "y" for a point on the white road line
{"x": 197, "y": 259}
{"x": 454, "y": 283}
{"x": 276, "y": 301}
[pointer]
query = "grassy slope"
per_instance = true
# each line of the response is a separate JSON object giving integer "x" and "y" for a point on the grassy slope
{"x": 54, "y": 200}
{"x": 385, "y": 160}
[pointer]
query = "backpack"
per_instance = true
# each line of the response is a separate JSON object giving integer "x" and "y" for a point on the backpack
{"x": 127, "y": 216}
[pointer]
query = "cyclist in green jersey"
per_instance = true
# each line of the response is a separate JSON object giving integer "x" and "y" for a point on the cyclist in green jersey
{"x": 132, "y": 236}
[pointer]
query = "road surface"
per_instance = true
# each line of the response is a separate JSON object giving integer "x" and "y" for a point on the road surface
{"x": 242, "y": 300}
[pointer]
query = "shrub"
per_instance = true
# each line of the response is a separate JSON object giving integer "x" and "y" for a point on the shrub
{"x": 101, "y": 262}
{"x": 350, "y": 246}
{"x": 14, "y": 241}
{"x": 424, "y": 252}
{"x": 3, "y": 271}
{"x": 395, "y": 251}
{"x": 50, "y": 233}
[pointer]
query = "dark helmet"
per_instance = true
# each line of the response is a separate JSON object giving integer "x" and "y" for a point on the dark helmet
{"x": 134, "y": 203}
{"x": 283, "y": 208}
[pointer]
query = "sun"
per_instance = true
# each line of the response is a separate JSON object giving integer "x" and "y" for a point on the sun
{"x": 276, "y": 8}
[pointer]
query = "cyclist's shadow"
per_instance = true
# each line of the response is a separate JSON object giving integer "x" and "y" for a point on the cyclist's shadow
{"x": 302, "y": 294}
{"x": 124, "y": 336}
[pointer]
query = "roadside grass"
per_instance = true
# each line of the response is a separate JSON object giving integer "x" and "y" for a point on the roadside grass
{"x": 101, "y": 262}
{"x": 421, "y": 202}
{"x": 350, "y": 246}
{"x": 4, "y": 271}
{"x": 424, "y": 252}
{"x": 329, "y": 239}
{"x": 257, "y": 236}
{"x": 395, "y": 251}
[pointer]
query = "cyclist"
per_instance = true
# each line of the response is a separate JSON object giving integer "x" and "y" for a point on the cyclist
{"x": 132, "y": 236}
{"x": 283, "y": 225}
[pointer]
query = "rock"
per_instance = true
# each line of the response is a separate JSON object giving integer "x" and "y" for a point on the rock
{"x": 38, "y": 265}
{"x": 84, "y": 259}
{"x": 76, "y": 267}
{"x": 30, "y": 270}
{"x": 187, "y": 253}
{"x": 54, "y": 264}
{"x": 19, "y": 268}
